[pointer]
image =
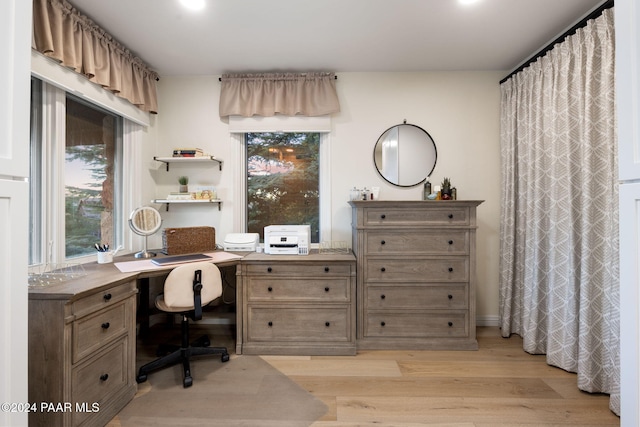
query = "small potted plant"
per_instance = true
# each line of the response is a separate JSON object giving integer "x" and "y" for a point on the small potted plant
{"x": 184, "y": 184}
{"x": 445, "y": 189}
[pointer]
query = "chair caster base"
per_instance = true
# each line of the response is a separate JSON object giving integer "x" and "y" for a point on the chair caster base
{"x": 187, "y": 382}
{"x": 225, "y": 358}
{"x": 141, "y": 378}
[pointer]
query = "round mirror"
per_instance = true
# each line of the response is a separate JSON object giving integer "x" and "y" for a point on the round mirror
{"x": 145, "y": 221}
{"x": 405, "y": 155}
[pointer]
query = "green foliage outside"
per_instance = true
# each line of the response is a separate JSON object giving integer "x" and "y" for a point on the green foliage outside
{"x": 283, "y": 181}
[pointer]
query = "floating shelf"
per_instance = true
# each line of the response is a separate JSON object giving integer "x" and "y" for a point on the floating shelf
{"x": 197, "y": 159}
{"x": 168, "y": 202}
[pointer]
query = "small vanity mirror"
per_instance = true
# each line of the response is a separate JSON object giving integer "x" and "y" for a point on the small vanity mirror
{"x": 405, "y": 155}
{"x": 145, "y": 221}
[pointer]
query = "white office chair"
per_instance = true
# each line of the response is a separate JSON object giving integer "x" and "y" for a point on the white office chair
{"x": 187, "y": 289}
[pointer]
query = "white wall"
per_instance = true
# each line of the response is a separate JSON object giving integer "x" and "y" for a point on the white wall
{"x": 460, "y": 110}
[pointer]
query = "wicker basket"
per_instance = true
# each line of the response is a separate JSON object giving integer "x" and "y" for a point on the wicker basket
{"x": 188, "y": 240}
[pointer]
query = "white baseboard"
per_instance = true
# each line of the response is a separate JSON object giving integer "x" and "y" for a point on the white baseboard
{"x": 488, "y": 320}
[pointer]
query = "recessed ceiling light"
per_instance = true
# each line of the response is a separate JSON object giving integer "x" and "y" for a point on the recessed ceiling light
{"x": 468, "y": 1}
{"x": 193, "y": 4}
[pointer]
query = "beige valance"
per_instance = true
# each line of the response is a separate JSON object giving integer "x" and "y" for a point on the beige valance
{"x": 62, "y": 33}
{"x": 306, "y": 94}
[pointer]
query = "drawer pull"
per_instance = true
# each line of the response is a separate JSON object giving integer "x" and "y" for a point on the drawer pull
{"x": 451, "y": 242}
{"x": 383, "y": 242}
{"x": 450, "y": 296}
{"x": 327, "y": 324}
{"x": 383, "y": 296}
{"x": 383, "y": 216}
{"x": 450, "y": 269}
{"x": 450, "y": 216}
{"x": 104, "y": 377}
{"x": 105, "y": 325}
{"x": 450, "y": 324}
{"x": 107, "y": 297}
{"x": 382, "y": 323}
{"x": 269, "y": 269}
{"x": 270, "y": 289}
{"x": 270, "y": 324}
{"x": 326, "y": 289}
{"x": 326, "y": 269}
{"x": 383, "y": 269}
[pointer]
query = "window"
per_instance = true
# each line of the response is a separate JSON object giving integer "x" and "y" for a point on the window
{"x": 283, "y": 180}
{"x": 75, "y": 176}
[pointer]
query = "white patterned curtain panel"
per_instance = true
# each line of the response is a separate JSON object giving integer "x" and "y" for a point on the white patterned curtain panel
{"x": 559, "y": 229}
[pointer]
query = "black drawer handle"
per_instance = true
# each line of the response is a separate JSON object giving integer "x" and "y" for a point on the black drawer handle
{"x": 450, "y": 269}
{"x": 104, "y": 377}
{"x": 105, "y": 325}
{"x": 450, "y": 324}
{"x": 270, "y": 289}
{"x": 107, "y": 297}
{"x": 383, "y": 242}
{"x": 326, "y": 269}
{"x": 327, "y": 324}
{"x": 269, "y": 269}
{"x": 270, "y": 324}
{"x": 383, "y": 216}
{"x": 450, "y": 296}
{"x": 451, "y": 242}
{"x": 382, "y": 323}
{"x": 326, "y": 289}
{"x": 383, "y": 296}
{"x": 450, "y": 216}
{"x": 383, "y": 269}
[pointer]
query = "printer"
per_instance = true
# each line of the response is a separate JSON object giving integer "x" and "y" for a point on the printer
{"x": 287, "y": 239}
{"x": 241, "y": 242}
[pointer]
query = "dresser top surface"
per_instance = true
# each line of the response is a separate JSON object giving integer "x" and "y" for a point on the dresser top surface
{"x": 414, "y": 203}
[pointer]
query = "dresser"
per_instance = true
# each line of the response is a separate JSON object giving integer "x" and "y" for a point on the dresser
{"x": 82, "y": 349}
{"x": 297, "y": 304}
{"x": 416, "y": 282}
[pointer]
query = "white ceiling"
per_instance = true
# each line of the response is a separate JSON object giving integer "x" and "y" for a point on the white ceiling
{"x": 334, "y": 35}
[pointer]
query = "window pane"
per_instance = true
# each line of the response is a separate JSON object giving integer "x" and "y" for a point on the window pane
{"x": 283, "y": 181}
{"x": 91, "y": 136}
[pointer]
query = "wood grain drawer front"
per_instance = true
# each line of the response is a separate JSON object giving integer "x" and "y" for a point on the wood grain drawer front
{"x": 427, "y": 324}
{"x": 94, "y": 331}
{"x": 334, "y": 289}
{"x": 298, "y": 269}
{"x": 100, "y": 378}
{"x": 453, "y": 269}
{"x": 412, "y": 217}
{"x": 298, "y": 324}
{"x": 453, "y": 296}
{"x": 422, "y": 241}
{"x": 103, "y": 299}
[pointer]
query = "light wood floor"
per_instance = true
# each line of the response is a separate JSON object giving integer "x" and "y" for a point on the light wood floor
{"x": 498, "y": 385}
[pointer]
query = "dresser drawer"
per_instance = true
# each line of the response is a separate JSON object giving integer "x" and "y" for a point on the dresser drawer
{"x": 428, "y": 324}
{"x": 330, "y": 289}
{"x": 411, "y": 217}
{"x": 298, "y": 269}
{"x": 408, "y": 296}
{"x": 298, "y": 324}
{"x": 454, "y": 269}
{"x": 423, "y": 241}
{"x": 92, "y": 332}
{"x": 102, "y": 299}
{"x": 100, "y": 378}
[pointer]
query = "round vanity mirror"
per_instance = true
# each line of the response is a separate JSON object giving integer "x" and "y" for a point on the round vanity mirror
{"x": 145, "y": 221}
{"x": 405, "y": 155}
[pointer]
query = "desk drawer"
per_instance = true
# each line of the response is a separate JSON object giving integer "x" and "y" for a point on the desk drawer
{"x": 92, "y": 332}
{"x": 414, "y": 217}
{"x": 418, "y": 269}
{"x": 102, "y": 299}
{"x": 99, "y": 379}
{"x": 330, "y": 289}
{"x": 426, "y": 324}
{"x": 454, "y": 296}
{"x": 298, "y": 269}
{"x": 441, "y": 242}
{"x": 298, "y": 324}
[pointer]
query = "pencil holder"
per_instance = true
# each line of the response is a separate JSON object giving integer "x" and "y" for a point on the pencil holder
{"x": 105, "y": 257}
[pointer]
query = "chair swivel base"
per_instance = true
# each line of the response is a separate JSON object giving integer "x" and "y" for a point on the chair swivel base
{"x": 182, "y": 355}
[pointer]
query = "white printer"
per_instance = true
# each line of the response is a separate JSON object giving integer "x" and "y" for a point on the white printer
{"x": 241, "y": 242}
{"x": 287, "y": 239}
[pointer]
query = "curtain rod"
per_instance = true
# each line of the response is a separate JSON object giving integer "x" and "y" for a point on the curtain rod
{"x": 571, "y": 31}
{"x": 220, "y": 78}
